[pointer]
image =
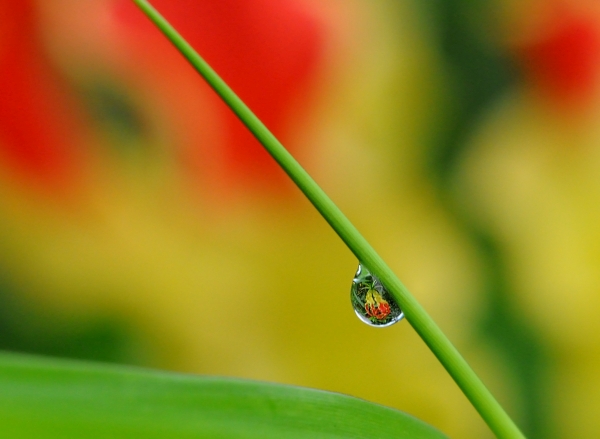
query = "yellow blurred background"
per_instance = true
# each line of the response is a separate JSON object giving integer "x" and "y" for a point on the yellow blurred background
{"x": 141, "y": 224}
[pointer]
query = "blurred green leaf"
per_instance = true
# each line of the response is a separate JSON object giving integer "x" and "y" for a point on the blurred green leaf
{"x": 49, "y": 398}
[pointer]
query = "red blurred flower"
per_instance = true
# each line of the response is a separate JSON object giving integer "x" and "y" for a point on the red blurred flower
{"x": 562, "y": 58}
{"x": 266, "y": 50}
{"x": 38, "y": 133}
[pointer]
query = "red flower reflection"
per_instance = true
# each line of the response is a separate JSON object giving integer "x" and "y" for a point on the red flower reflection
{"x": 376, "y": 306}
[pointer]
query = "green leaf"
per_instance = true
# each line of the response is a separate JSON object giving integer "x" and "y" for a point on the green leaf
{"x": 49, "y": 398}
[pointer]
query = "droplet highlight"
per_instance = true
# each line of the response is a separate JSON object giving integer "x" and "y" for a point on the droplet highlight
{"x": 372, "y": 303}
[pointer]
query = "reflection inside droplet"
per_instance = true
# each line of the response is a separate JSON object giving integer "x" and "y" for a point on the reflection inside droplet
{"x": 372, "y": 303}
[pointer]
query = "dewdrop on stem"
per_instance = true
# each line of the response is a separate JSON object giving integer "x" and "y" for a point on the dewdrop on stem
{"x": 372, "y": 303}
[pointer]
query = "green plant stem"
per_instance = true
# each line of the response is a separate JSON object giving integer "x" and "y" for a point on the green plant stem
{"x": 481, "y": 398}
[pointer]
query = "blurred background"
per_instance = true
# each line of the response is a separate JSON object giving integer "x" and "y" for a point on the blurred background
{"x": 141, "y": 224}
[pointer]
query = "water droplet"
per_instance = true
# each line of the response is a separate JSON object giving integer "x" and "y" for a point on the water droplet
{"x": 372, "y": 303}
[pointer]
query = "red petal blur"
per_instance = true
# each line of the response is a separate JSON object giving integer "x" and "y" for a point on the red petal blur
{"x": 37, "y": 131}
{"x": 266, "y": 50}
{"x": 563, "y": 59}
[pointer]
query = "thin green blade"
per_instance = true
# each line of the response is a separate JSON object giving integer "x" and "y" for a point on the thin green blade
{"x": 47, "y": 398}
